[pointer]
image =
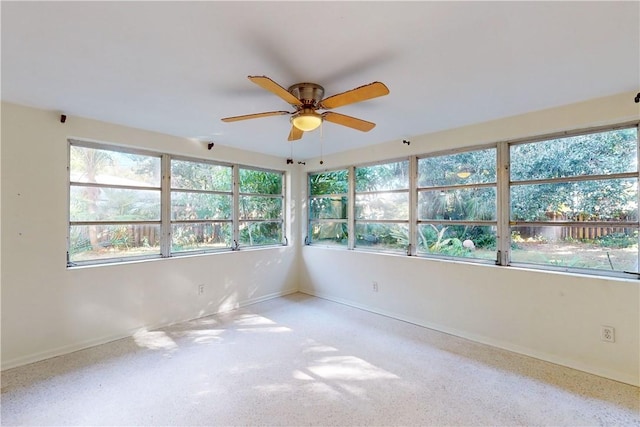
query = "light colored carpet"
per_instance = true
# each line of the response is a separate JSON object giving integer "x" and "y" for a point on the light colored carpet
{"x": 301, "y": 360}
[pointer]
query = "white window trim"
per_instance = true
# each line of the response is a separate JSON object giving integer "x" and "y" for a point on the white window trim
{"x": 165, "y": 221}
{"x": 503, "y": 188}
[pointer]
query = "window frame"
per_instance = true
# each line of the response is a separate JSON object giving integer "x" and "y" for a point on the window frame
{"x": 72, "y": 142}
{"x": 479, "y": 223}
{"x": 165, "y": 222}
{"x": 172, "y": 222}
{"x": 355, "y": 222}
{"x": 239, "y": 194}
{"x": 506, "y": 207}
{"x": 348, "y": 196}
{"x": 502, "y": 185}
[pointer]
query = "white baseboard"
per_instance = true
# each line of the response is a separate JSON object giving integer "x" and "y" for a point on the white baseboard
{"x": 569, "y": 363}
{"x": 66, "y": 349}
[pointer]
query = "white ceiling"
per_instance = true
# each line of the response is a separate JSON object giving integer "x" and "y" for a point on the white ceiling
{"x": 179, "y": 67}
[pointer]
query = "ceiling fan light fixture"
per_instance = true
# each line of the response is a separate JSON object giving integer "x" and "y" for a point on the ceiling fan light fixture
{"x": 306, "y": 120}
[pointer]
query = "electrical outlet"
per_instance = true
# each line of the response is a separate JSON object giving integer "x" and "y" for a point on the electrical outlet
{"x": 200, "y": 289}
{"x": 374, "y": 286}
{"x": 608, "y": 333}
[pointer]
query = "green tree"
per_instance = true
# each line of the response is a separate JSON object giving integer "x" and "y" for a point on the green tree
{"x": 256, "y": 203}
{"x": 601, "y": 153}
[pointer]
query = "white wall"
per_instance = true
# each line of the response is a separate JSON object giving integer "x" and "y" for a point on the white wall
{"x": 48, "y": 309}
{"x": 552, "y": 316}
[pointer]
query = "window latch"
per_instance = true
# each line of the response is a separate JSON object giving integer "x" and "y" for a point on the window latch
{"x": 235, "y": 246}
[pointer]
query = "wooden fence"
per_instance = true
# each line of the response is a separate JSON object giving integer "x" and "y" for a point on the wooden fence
{"x": 586, "y": 231}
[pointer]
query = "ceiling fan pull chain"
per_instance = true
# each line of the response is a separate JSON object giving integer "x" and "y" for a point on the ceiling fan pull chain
{"x": 321, "y": 141}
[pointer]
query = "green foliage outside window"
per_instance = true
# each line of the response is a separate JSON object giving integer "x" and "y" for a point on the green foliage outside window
{"x": 118, "y": 187}
{"x": 202, "y": 192}
{"x": 597, "y": 154}
{"x": 441, "y": 198}
{"x": 579, "y": 179}
{"x": 328, "y": 207}
{"x": 262, "y": 214}
{"x": 382, "y": 206}
{"x": 115, "y": 205}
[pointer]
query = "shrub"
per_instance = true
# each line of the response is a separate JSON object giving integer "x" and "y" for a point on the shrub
{"x": 617, "y": 240}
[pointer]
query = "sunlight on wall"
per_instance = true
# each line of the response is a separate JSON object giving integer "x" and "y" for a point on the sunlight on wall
{"x": 230, "y": 302}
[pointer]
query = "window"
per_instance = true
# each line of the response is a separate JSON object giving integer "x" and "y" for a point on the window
{"x": 123, "y": 205}
{"x": 201, "y": 206}
{"x": 566, "y": 202}
{"x": 574, "y": 201}
{"x": 115, "y": 209}
{"x": 328, "y": 198}
{"x": 382, "y": 206}
{"x": 457, "y": 210}
{"x": 261, "y": 207}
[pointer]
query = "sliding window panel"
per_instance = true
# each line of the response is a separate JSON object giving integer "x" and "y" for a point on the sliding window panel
{"x": 328, "y": 208}
{"x": 457, "y": 240}
{"x": 382, "y": 206}
{"x": 601, "y": 153}
{"x": 328, "y": 232}
{"x": 201, "y": 206}
{"x": 382, "y": 177}
{"x": 193, "y": 175}
{"x": 260, "y": 182}
{"x": 108, "y": 167}
{"x": 332, "y": 182}
{"x": 113, "y": 241}
{"x": 193, "y": 206}
{"x": 260, "y": 233}
{"x": 574, "y": 202}
{"x": 200, "y": 236}
{"x": 260, "y": 207}
{"x": 469, "y": 167}
{"x": 589, "y": 200}
{"x": 462, "y": 204}
{"x": 457, "y": 205}
{"x": 382, "y": 236}
{"x": 92, "y": 203}
{"x": 114, "y": 204}
{"x": 583, "y": 246}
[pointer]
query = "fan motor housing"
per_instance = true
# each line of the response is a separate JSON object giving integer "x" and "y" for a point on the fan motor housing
{"x": 310, "y": 94}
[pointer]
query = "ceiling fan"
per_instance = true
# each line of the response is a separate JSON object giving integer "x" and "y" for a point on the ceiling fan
{"x": 307, "y": 99}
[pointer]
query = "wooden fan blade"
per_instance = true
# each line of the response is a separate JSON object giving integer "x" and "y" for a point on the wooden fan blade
{"x": 273, "y": 87}
{"x": 348, "y": 121}
{"x": 362, "y": 93}
{"x": 254, "y": 116}
{"x": 295, "y": 134}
